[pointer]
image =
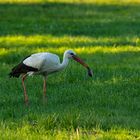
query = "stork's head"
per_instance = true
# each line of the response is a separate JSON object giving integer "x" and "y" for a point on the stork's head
{"x": 72, "y": 55}
{"x": 69, "y": 53}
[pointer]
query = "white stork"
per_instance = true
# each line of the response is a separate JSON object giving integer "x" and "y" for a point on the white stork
{"x": 44, "y": 64}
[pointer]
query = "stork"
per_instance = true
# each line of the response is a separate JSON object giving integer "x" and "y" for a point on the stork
{"x": 44, "y": 63}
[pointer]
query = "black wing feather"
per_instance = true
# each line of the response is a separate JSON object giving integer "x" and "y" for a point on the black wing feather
{"x": 21, "y": 68}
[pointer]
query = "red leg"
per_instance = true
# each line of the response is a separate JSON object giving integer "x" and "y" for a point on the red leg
{"x": 24, "y": 88}
{"x": 44, "y": 88}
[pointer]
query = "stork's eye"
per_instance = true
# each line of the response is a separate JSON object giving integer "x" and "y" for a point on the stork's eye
{"x": 71, "y": 53}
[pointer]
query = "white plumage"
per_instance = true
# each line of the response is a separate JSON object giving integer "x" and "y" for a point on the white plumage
{"x": 46, "y": 63}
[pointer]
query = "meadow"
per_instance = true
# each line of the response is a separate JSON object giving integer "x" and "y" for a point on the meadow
{"x": 106, "y": 34}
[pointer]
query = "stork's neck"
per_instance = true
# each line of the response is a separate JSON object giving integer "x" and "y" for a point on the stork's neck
{"x": 64, "y": 62}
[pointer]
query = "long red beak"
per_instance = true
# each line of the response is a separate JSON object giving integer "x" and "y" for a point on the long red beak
{"x": 76, "y": 58}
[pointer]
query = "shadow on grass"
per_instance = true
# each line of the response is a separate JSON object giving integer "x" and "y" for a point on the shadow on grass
{"x": 60, "y": 19}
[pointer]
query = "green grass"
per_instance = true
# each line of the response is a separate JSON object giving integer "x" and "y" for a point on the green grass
{"x": 106, "y": 35}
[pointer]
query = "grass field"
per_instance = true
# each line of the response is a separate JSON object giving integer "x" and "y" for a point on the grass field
{"x": 106, "y": 34}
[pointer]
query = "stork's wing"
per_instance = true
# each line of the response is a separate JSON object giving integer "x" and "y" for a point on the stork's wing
{"x": 42, "y": 60}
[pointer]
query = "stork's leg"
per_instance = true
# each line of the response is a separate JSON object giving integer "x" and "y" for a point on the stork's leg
{"x": 44, "y": 88}
{"x": 24, "y": 88}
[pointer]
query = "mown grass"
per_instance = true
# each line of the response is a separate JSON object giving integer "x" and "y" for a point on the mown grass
{"x": 106, "y": 35}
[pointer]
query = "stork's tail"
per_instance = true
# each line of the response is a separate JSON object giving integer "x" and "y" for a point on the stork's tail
{"x": 21, "y": 69}
{"x": 12, "y": 74}
{"x": 15, "y": 72}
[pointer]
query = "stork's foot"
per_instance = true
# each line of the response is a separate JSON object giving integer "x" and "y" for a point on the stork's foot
{"x": 26, "y": 102}
{"x": 44, "y": 100}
